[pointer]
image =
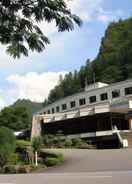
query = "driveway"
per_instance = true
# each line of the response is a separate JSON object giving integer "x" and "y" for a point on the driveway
{"x": 82, "y": 167}
{"x": 94, "y": 161}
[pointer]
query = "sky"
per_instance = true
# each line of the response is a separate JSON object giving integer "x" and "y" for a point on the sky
{"x": 34, "y": 76}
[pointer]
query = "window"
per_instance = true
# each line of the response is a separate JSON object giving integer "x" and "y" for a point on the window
{"x": 53, "y": 111}
{"x": 115, "y": 93}
{"x": 48, "y": 111}
{"x": 82, "y": 101}
{"x": 64, "y": 106}
{"x": 57, "y": 109}
{"x": 73, "y": 104}
{"x": 103, "y": 96}
{"x": 128, "y": 91}
{"x": 92, "y": 99}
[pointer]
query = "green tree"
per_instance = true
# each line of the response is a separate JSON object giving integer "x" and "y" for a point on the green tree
{"x": 7, "y": 145}
{"x": 19, "y": 22}
{"x": 36, "y": 145}
{"x": 15, "y": 118}
{"x": 56, "y": 93}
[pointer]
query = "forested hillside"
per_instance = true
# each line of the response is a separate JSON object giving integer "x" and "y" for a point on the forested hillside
{"x": 32, "y": 107}
{"x": 19, "y": 115}
{"x": 112, "y": 64}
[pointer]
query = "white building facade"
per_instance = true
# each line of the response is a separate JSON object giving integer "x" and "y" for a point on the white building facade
{"x": 96, "y": 100}
{"x": 98, "y": 93}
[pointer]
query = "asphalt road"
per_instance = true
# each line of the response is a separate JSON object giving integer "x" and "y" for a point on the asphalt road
{"x": 94, "y": 161}
{"x": 83, "y": 167}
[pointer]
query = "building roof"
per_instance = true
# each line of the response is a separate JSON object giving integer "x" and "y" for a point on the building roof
{"x": 95, "y": 86}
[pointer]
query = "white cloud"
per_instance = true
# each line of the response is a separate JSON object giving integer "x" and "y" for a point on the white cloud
{"x": 33, "y": 86}
{"x": 86, "y": 9}
{"x": 104, "y": 18}
{"x": 109, "y": 16}
{"x": 2, "y": 103}
{"x": 90, "y": 10}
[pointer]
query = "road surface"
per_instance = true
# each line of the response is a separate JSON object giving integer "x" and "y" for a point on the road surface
{"x": 83, "y": 167}
{"x": 95, "y": 160}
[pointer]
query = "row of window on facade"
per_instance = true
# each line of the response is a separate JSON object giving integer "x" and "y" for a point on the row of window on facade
{"x": 92, "y": 99}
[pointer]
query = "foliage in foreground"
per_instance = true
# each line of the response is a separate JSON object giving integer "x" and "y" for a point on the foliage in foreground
{"x": 36, "y": 143}
{"x": 12, "y": 169}
{"x": 7, "y": 145}
{"x": 36, "y": 146}
{"x": 20, "y": 20}
{"x": 51, "y": 158}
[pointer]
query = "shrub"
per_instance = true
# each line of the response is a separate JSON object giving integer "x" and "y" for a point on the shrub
{"x": 49, "y": 161}
{"x": 77, "y": 142}
{"x": 45, "y": 154}
{"x": 22, "y": 144}
{"x": 48, "y": 140}
{"x": 53, "y": 141}
{"x": 60, "y": 157}
{"x": 52, "y": 157}
{"x": 36, "y": 143}
{"x": 7, "y": 145}
{"x": 82, "y": 144}
{"x": 24, "y": 169}
{"x": 9, "y": 169}
{"x": 36, "y": 146}
{"x": 21, "y": 149}
{"x": 14, "y": 158}
{"x": 12, "y": 169}
{"x": 68, "y": 143}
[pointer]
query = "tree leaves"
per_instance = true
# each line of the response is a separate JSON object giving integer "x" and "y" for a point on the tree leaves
{"x": 18, "y": 29}
{"x": 16, "y": 118}
{"x": 16, "y": 50}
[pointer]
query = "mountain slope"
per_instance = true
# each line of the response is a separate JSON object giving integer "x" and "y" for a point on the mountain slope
{"x": 112, "y": 64}
{"x": 114, "y": 61}
{"x": 32, "y": 107}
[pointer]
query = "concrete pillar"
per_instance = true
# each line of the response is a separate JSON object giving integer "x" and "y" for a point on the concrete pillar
{"x": 36, "y": 127}
{"x": 122, "y": 92}
{"x": 130, "y": 124}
